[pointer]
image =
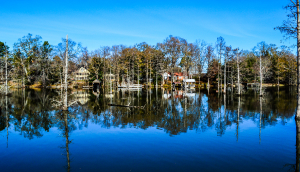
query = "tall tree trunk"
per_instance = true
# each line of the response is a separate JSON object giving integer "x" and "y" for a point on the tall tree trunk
{"x": 156, "y": 78}
{"x": 261, "y": 76}
{"x": 23, "y": 80}
{"x": 172, "y": 75}
{"x": 118, "y": 74}
{"x": 66, "y": 79}
{"x": 150, "y": 72}
{"x": 61, "y": 81}
{"x": 208, "y": 83}
{"x": 238, "y": 73}
{"x": 133, "y": 72}
{"x": 44, "y": 82}
{"x": 219, "y": 70}
{"x": 26, "y": 73}
{"x": 104, "y": 78}
{"x": 221, "y": 85}
{"x": 298, "y": 62}
{"x": 218, "y": 78}
{"x": 200, "y": 81}
{"x": 138, "y": 74}
{"x": 163, "y": 80}
{"x": 110, "y": 83}
{"x": 231, "y": 71}
{"x": 127, "y": 78}
{"x": 278, "y": 71}
{"x": 6, "y": 86}
{"x": 147, "y": 75}
{"x": 225, "y": 76}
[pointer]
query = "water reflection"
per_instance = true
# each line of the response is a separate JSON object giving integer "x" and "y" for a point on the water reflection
{"x": 65, "y": 129}
{"x": 297, "y": 145}
{"x": 31, "y": 113}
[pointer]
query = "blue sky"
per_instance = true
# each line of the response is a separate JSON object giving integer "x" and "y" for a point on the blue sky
{"x": 99, "y": 23}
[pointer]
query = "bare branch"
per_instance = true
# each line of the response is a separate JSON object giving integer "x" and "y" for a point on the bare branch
{"x": 293, "y": 3}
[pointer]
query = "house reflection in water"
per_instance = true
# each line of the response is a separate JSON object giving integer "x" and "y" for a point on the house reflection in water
{"x": 177, "y": 94}
{"x": 167, "y": 94}
{"x": 109, "y": 95}
{"x": 189, "y": 94}
{"x": 81, "y": 96}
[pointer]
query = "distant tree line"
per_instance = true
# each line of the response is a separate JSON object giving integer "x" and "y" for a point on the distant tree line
{"x": 33, "y": 61}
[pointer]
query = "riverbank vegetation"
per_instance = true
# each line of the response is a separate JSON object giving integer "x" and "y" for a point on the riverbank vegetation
{"x": 32, "y": 61}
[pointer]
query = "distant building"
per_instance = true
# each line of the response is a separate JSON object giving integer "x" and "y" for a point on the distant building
{"x": 81, "y": 74}
{"x": 189, "y": 83}
{"x": 167, "y": 76}
{"x": 181, "y": 76}
{"x": 177, "y": 76}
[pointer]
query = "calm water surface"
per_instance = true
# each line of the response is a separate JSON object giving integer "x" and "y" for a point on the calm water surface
{"x": 176, "y": 131}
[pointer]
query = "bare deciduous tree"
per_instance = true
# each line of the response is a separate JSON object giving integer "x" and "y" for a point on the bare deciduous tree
{"x": 220, "y": 48}
{"x": 291, "y": 29}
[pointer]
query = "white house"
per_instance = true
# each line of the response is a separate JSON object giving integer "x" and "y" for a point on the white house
{"x": 190, "y": 83}
{"x": 81, "y": 74}
{"x": 166, "y": 76}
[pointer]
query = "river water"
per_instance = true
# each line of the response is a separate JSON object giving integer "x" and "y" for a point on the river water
{"x": 197, "y": 130}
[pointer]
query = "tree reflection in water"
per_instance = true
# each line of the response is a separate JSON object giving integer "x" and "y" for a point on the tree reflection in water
{"x": 297, "y": 145}
{"x": 31, "y": 112}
